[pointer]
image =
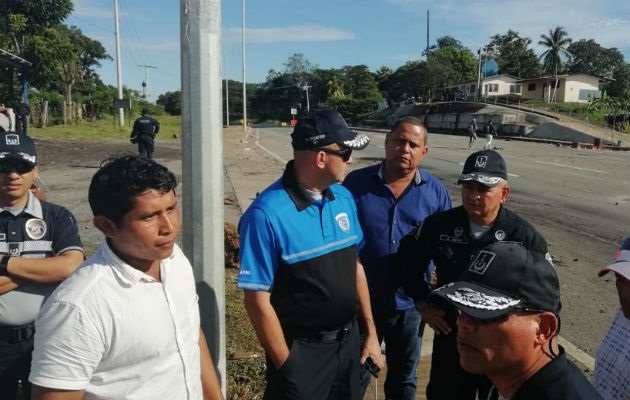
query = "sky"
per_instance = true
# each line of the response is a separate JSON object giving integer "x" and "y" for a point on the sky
{"x": 332, "y": 33}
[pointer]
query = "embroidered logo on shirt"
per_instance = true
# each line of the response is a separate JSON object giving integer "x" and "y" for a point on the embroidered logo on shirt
{"x": 35, "y": 228}
{"x": 500, "y": 235}
{"x": 343, "y": 222}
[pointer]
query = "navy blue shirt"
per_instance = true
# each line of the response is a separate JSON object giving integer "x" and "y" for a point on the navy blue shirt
{"x": 385, "y": 220}
{"x": 304, "y": 252}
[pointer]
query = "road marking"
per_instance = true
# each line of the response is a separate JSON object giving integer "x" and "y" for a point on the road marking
{"x": 576, "y": 353}
{"x": 570, "y": 166}
{"x": 271, "y": 153}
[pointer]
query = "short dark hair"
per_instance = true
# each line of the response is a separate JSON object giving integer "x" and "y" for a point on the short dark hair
{"x": 122, "y": 178}
{"x": 410, "y": 119}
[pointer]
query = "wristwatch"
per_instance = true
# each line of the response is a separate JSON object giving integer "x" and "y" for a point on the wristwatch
{"x": 4, "y": 263}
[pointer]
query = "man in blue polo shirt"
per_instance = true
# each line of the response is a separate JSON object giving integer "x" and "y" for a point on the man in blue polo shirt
{"x": 300, "y": 271}
{"x": 392, "y": 198}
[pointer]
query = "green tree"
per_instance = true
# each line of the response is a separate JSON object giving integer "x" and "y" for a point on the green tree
{"x": 556, "y": 43}
{"x": 513, "y": 55}
{"x": 588, "y": 57}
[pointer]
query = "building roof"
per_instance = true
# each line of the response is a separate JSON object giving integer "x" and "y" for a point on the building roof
{"x": 11, "y": 60}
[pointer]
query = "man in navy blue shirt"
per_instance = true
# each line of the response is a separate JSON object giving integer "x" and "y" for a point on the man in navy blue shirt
{"x": 392, "y": 198}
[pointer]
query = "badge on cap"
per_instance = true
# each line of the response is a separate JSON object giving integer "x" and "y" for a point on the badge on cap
{"x": 481, "y": 161}
{"x": 481, "y": 262}
{"x": 12, "y": 139}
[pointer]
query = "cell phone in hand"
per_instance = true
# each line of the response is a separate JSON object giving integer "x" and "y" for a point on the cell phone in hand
{"x": 371, "y": 366}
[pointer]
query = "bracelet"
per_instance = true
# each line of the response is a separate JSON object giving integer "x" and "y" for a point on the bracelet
{"x": 4, "y": 264}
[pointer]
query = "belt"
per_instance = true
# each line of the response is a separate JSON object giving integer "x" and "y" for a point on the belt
{"x": 16, "y": 334}
{"x": 336, "y": 335}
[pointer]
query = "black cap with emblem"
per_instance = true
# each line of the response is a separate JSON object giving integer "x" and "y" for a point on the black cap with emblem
{"x": 501, "y": 277}
{"x": 486, "y": 167}
{"x": 320, "y": 128}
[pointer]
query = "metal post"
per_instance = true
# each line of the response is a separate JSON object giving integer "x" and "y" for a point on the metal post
{"x": 145, "y": 88}
{"x": 244, "y": 79}
{"x": 202, "y": 165}
{"x": 121, "y": 111}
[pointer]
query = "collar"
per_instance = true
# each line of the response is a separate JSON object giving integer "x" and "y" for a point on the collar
{"x": 127, "y": 274}
{"x": 32, "y": 207}
{"x": 417, "y": 179}
{"x": 296, "y": 193}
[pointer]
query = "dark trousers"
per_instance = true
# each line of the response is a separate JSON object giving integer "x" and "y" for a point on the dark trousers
{"x": 327, "y": 370}
{"x": 402, "y": 332}
{"x": 21, "y": 124}
{"x": 447, "y": 379}
{"x": 145, "y": 148}
{"x": 15, "y": 365}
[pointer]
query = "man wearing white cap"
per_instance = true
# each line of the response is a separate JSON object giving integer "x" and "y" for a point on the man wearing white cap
{"x": 612, "y": 363}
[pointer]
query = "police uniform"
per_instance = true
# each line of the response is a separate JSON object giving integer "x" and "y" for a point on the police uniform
{"x": 446, "y": 239}
{"x": 40, "y": 230}
{"x": 144, "y": 130}
{"x": 304, "y": 252}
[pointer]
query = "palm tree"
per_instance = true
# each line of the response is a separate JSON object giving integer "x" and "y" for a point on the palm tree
{"x": 556, "y": 44}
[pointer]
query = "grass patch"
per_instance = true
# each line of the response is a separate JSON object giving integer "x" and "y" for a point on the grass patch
{"x": 106, "y": 129}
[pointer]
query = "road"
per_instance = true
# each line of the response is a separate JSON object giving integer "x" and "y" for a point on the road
{"x": 579, "y": 199}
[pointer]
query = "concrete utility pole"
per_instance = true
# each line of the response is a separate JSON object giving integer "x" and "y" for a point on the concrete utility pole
{"x": 244, "y": 79}
{"x": 202, "y": 165}
{"x": 145, "y": 86}
{"x": 121, "y": 111}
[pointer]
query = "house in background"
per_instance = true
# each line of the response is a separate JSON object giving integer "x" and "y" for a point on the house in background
{"x": 571, "y": 88}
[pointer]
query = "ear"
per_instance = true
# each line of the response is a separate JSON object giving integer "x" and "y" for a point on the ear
{"x": 320, "y": 159}
{"x": 547, "y": 327}
{"x": 505, "y": 193}
{"x": 425, "y": 150}
{"x": 105, "y": 225}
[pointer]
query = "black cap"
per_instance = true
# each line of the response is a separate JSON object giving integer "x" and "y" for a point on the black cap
{"x": 320, "y": 128}
{"x": 16, "y": 146}
{"x": 144, "y": 111}
{"x": 502, "y": 277}
{"x": 486, "y": 167}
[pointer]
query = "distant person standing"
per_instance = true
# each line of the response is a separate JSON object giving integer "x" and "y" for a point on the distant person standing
{"x": 144, "y": 130}
{"x": 472, "y": 133}
{"x": 489, "y": 135}
{"x": 21, "y": 110}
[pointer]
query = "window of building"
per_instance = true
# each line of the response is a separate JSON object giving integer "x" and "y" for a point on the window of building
{"x": 492, "y": 87}
{"x": 531, "y": 87}
{"x": 515, "y": 89}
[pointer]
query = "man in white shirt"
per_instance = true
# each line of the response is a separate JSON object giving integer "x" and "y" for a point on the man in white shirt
{"x": 126, "y": 324}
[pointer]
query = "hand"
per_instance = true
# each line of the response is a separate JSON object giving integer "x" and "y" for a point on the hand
{"x": 372, "y": 348}
{"x": 133, "y": 140}
{"x": 434, "y": 317}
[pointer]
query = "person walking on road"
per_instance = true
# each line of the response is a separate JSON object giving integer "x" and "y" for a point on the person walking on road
{"x": 612, "y": 361}
{"x": 508, "y": 318}
{"x": 22, "y": 110}
{"x": 144, "y": 130}
{"x": 489, "y": 135}
{"x": 299, "y": 269}
{"x": 392, "y": 198}
{"x": 449, "y": 239}
{"x": 472, "y": 133}
{"x": 39, "y": 247}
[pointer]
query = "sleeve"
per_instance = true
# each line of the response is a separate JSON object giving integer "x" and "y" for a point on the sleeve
{"x": 413, "y": 262}
{"x": 68, "y": 348}
{"x": 134, "y": 130}
{"x": 258, "y": 252}
{"x": 65, "y": 234}
{"x": 156, "y": 126}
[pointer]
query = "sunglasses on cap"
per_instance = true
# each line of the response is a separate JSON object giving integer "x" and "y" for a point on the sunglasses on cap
{"x": 345, "y": 154}
{"x": 500, "y": 318}
{"x": 20, "y": 167}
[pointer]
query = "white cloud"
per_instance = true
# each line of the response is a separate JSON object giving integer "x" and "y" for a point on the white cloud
{"x": 311, "y": 33}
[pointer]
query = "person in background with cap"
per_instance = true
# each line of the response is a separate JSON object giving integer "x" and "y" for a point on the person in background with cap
{"x": 449, "y": 239}
{"x": 144, "y": 130}
{"x": 392, "y": 198}
{"x": 612, "y": 362}
{"x": 508, "y": 316}
{"x": 299, "y": 269}
{"x": 39, "y": 247}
